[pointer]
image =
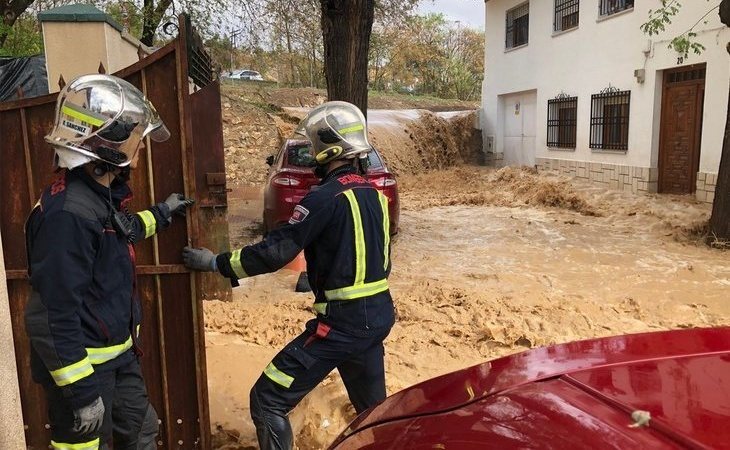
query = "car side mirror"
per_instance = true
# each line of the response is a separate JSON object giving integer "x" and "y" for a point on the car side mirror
{"x": 270, "y": 160}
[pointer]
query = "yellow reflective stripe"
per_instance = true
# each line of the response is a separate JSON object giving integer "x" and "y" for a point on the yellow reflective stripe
{"x": 277, "y": 376}
{"x": 82, "y": 115}
{"x": 386, "y": 229}
{"x": 138, "y": 325}
{"x": 149, "y": 222}
{"x": 321, "y": 308}
{"x": 236, "y": 264}
{"x": 91, "y": 445}
{"x": 101, "y": 355}
{"x": 360, "y": 261}
{"x": 72, "y": 373}
{"x": 357, "y": 291}
{"x": 351, "y": 129}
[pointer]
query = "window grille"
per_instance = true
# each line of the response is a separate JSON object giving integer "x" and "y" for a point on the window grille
{"x": 610, "y": 120}
{"x": 608, "y": 7}
{"x": 200, "y": 66}
{"x": 518, "y": 26}
{"x": 566, "y": 15}
{"x": 562, "y": 122}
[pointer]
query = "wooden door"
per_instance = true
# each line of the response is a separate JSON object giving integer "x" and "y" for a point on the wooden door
{"x": 681, "y": 129}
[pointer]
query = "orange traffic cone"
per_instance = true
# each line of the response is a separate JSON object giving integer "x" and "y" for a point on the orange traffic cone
{"x": 298, "y": 264}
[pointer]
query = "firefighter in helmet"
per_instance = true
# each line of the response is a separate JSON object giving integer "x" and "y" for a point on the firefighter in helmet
{"x": 343, "y": 227}
{"x": 83, "y": 318}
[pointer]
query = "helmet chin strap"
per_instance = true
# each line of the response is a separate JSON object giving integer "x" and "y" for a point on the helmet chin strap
{"x": 120, "y": 173}
{"x": 101, "y": 169}
{"x": 321, "y": 170}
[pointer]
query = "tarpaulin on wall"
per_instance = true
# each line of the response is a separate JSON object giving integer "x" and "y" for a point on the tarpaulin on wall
{"x": 27, "y": 75}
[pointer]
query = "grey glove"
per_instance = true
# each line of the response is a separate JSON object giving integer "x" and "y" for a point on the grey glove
{"x": 200, "y": 259}
{"x": 89, "y": 418}
{"x": 177, "y": 203}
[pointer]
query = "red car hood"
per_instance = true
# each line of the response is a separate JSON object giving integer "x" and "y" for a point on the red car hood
{"x": 682, "y": 378}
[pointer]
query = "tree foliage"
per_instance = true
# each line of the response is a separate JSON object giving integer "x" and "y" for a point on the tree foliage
{"x": 685, "y": 42}
{"x": 23, "y": 38}
{"x": 142, "y": 18}
{"x": 428, "y": 55}
{"x": 282, "y": 39}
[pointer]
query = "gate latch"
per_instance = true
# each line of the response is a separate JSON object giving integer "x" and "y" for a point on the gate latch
{"x": 216, "y": 183}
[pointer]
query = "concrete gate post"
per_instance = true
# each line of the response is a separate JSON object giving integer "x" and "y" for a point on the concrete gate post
{"x": 12, "y": 434}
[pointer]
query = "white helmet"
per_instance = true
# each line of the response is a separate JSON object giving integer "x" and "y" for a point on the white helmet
{"x": 337, "y": 130}
{"x": 102, "y": 118}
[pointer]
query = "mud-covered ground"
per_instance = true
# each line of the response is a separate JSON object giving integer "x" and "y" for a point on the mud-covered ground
{"x": 487, "y": 263}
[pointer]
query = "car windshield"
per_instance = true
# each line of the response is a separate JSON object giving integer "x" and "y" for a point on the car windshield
{"x": 301, "y": 156}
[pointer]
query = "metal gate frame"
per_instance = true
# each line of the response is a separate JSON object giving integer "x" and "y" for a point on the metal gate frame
{"x": 191, "y": 161}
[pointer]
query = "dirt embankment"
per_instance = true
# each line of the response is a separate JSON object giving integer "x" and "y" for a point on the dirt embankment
{"x": 256, "y": 124}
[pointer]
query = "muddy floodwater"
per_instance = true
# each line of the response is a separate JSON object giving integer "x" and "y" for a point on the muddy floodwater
{"x": 487, "y": 263}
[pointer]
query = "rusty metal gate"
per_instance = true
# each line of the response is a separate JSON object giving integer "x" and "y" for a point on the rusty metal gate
{"x": 191, "y": 161}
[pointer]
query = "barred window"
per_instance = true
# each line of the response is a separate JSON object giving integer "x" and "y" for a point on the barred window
{"x": 610, "y": 120}
{"x": 566, "y": 15}
{"x": 608, "y": 7}
{"x": 562, "y": 122}
{"x": 518, "y": 26}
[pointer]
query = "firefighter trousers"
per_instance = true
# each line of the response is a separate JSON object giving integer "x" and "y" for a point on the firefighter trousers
{"x": 130, "y": 421}
{"x": 302, "y": 365}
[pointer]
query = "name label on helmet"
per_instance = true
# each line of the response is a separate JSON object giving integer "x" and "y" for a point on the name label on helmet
{"x": 76, "y": 127}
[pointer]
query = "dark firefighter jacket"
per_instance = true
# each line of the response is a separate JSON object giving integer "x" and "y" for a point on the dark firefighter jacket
{"x": 83, "y": 315}
{"x": 343, "y": 227}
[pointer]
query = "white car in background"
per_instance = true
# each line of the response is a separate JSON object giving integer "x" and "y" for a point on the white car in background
{"x": 245, "y": 75}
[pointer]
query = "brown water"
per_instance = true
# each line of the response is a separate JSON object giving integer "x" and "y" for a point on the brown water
{"x": 487, "y": 263}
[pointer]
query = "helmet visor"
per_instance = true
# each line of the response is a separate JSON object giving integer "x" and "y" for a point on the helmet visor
{"x": 160, "y": 134}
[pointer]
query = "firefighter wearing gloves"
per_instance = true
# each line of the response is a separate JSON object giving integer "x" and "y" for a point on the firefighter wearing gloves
{"x": 83, "y": 317}
{"x": 343, "y": 227}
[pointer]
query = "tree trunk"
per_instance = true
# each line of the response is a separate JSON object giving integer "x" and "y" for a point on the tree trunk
{"x": 152, "y": 18}
{"x": 10, "y": 12}
{"x": 346, "y": 29}
{"x": 290, "y": 52}
{"x": 720, "y": 220}
{"x": 725, "y": 12}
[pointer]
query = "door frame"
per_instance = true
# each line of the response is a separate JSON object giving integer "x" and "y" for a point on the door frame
{"x": 700, "y": 103}
{"x": 504, "y": 111}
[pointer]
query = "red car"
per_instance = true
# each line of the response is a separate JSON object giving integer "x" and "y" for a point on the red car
{"x": 291, "y": 176}
{"x": 663, "y": 390}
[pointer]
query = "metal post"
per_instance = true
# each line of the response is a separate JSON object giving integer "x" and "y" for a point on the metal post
{"x": 233, "y": 44}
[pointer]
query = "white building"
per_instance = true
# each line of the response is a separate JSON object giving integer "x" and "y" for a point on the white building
{"x": 575, "y": 86}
